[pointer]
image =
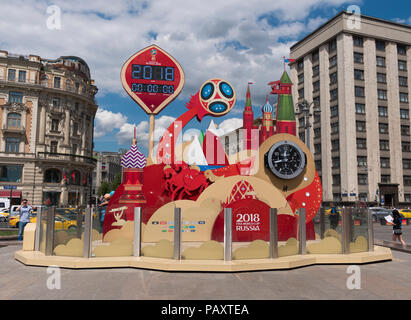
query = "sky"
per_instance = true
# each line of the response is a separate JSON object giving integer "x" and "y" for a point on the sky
{"x": 239, "y": 41}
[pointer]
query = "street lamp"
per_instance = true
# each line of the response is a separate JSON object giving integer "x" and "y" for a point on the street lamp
{"x": 304, "y": 108}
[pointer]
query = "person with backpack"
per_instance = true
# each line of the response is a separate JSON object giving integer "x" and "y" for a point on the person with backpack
{"x": 396, "y": 227}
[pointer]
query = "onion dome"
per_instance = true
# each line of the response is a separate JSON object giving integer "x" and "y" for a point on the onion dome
{"x": 133, "y": 158}
{"x": 268, "y": 107}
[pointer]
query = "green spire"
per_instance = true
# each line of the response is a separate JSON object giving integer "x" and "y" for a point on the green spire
{"x": 285, "y": 78}
{"x": 285, "y": 110}
{"x": 248, "y": 98}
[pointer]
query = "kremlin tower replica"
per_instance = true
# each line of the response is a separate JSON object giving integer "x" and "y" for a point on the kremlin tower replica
{"x": 285, "y": 117}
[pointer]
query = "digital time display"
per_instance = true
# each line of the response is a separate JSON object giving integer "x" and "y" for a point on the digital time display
{"x": 148, "y": 72}
{"x": 152, "y": 88}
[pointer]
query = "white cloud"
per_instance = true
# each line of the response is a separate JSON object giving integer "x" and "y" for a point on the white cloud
{"x": 196, "y": 33}
{"x": 106, "y": 121}
{"x": 231, "y": 124}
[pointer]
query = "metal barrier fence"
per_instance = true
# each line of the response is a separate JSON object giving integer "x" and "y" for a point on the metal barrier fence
{"x": 351, "y": 229}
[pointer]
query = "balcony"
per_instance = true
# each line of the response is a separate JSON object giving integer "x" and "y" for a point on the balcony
{"x": 13, "y": 129}
{"x": 66, "y": 157}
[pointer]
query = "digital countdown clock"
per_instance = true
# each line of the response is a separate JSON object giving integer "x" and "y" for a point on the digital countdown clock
{"x": 152, "y": 78}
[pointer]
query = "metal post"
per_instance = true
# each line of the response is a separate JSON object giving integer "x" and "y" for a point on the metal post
{"x": 177, "y": 233}
{"x": 50, "y": 231}
{"x": 346, "y": 219}
{"x": 88, "y": 227}
{"x": 307, "y": 128}
{"x": 38, "y": 228}
{"x": 137, "y": 232}
{"x": 228, "y": 234}
{"x": 302, "y": 232}
{"x": 370, "y": 230}
{"x": 322, "y": 222}
{"x": 273, "y": 233}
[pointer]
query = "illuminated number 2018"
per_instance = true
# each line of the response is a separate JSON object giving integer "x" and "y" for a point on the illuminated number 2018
{"x": 169, "y": 74}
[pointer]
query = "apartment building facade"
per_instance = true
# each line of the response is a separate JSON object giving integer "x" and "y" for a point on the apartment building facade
{"x": 358, "y": 76}
{"x": 47, "y": 110}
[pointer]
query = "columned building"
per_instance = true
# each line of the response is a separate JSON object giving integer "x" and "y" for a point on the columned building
{"x": 359, "y": 78}
{"x": 47, "y": 110}
{"x": 108, "y": 166}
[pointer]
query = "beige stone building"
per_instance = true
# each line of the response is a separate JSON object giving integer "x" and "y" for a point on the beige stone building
{"x": 108, "y": 166}
{"x": 358, "y": 73}
{"x": 47, "y": 111}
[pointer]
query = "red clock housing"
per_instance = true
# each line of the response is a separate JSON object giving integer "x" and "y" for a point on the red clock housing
{"x": 152, "y": 78}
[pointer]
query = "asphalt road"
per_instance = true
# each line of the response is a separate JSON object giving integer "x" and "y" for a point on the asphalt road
{"x": 384, "y": 280}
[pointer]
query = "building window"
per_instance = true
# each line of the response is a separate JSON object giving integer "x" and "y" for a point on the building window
{"x": 335, "y": 145}
{"x": 11, "y": 173}
{"x": 359, "y": 91}
{"x": 74, "y": 149}
{"x": 332, "y": 45}
{"x": 360, "y": 126}
{"x": 361, "y": 143}
{"x": 337, "y": 197}
{"x": 55, "y": 125}
{"x": 75, "y": 129}
{"x": 302, "y": 136}
{"x": 301, "y": 93}
{"x": 22, "y": 76}
{"x": 404, "y": 97}
{"x": 405, "y": 146}
{"x": 316, "y": 71}
{"x": 334, "y": 111}
{"x": 402, "y": 65}
{"x": 333, "y": 61}
{"x": 333, "y": 78}
{"x": 74, "y": 177}
{"x": 57, "y": 81}
{"x": 358, "y": 41}
{"x": 56, "y": 103}
{"x": 379, "y": 45}
{"x": 407, "y": 180}
{"x": 382, "y": 94}
{"x": 333, "y": 94}
{"x": 358, "y": 74}
{"x": 16, "y": 97}
{"x": 401, "y": 49}
{"x": 382, "y": 111}
{"x": 381, "y": 77}
{"x": 406, "y": 163}
{"x": 362, "y": 197}
{"x": 301, "y": 78}
{"x": 383, "y": 127}
{"x": 404, "y": 113}
{"x": 316, "y": 101}
{"x": 407, "y": 197}
{"x": 362, "y": 179}
{"x": 335, "y": 162}
{"x": 358, "y": 58}
{"x": 301, "y": 122}
{"x": 300, "y": 65}
{"x": 52, "y": 176}
{"x": 12, "y": 144}
{"x": 403, "y": 81}
{"x": 317, "y": 132}
{"x": 316, "y": 86}
{"x": 385, "y": 162}
{"x": 361, "y": 162}
{"x": 334, "y": 127}
{"x": 53, "y": 146}
{"x": 318, "y": 165}
{"x": 317, "y": 148}
{"x": 336, "y": 180}
{"x": 360, "y": 108}
{"x": 11, "y": 76}
{"x": 315, "y": 56}
{"x": 384, "y": 145}
{"x": 13, "y": 120}
{"x": 405, "y": 130}
{"x": 385, "y": 178}
{"x": 380, "y": 61}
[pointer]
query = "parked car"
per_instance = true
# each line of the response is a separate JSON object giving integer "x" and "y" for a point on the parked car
{"x": 406, "y": 213}
{"x": 378, "y": 214}
{"x": 60, "y": 222}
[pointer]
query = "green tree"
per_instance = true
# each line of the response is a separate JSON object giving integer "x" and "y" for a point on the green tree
{"x": 116, "y": 182}
{"x": 104, "y": 188}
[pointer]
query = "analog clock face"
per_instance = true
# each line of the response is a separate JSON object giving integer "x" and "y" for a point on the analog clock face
{"x": 286, "y": 160}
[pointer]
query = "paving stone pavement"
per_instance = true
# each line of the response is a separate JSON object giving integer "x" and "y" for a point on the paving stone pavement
{"x": 384, "y": 280}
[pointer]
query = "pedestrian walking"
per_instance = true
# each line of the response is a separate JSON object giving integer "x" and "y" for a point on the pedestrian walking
{"x": 334, "y": 217}
{"x": 396, "y": 227}
{"x": 24, "y": 212}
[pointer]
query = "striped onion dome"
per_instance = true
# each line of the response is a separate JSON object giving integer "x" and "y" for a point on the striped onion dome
{"x": 133, "y": 158}
{"x": 267, "y": 107}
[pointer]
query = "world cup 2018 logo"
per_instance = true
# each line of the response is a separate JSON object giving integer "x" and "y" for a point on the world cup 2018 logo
{"x": 153, "y": 53}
